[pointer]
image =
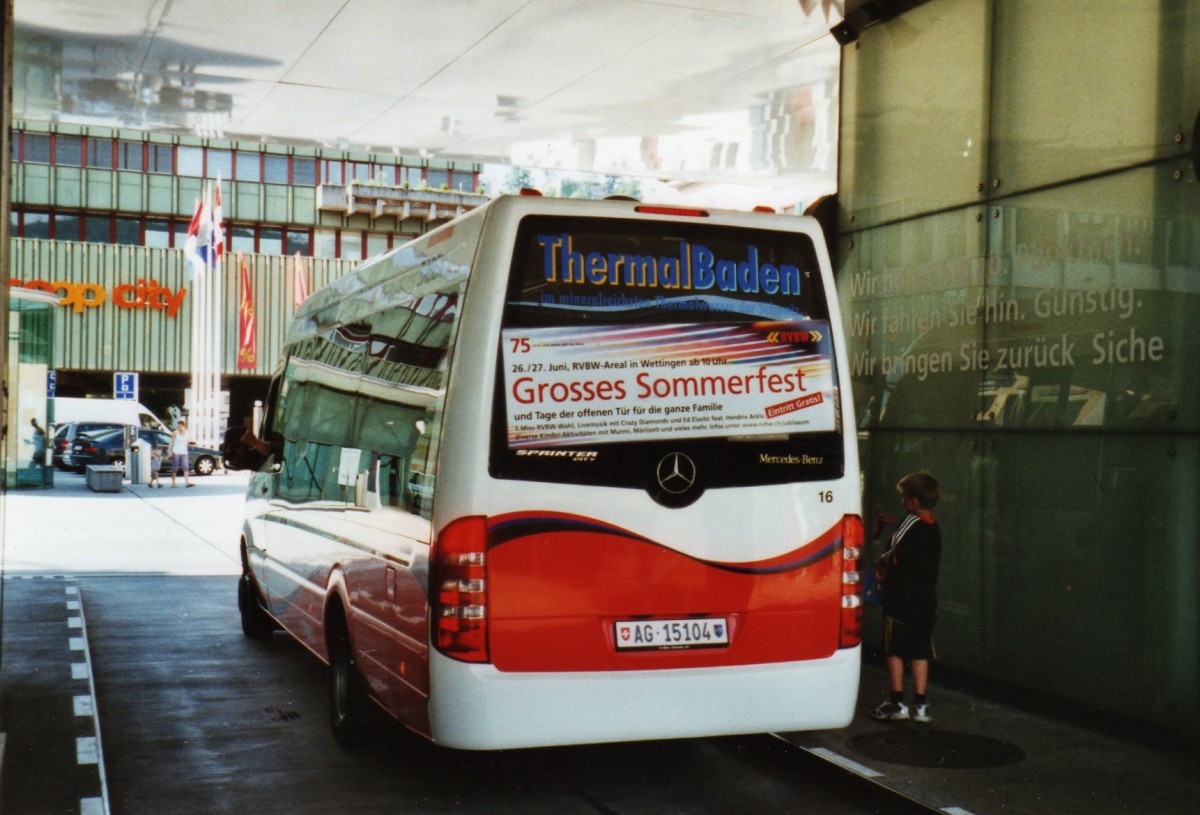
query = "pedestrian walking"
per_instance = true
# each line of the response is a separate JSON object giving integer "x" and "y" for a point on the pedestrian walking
{"x": 179, "y": 454}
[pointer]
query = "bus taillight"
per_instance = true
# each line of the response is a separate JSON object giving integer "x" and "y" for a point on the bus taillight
{"x": 850, "y": 630}
{"x": 459, "y": 587}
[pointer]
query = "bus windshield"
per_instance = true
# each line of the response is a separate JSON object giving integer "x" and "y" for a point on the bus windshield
{"x": 619, "y": 334}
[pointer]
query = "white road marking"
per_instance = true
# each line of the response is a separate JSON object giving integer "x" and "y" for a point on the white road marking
{"x": 842, "y": 761}
{"x": 86, "y": 750}
{"x": 83, "y": 706}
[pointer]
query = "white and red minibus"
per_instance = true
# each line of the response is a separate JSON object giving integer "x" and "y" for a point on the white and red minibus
{"x": 568, "y": 471}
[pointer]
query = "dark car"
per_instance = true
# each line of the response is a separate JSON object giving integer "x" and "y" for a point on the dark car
{"x": 65, "y": 436}
{"x": 109, "y": 448}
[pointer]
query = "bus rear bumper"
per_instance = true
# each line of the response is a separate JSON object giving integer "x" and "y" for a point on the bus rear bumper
{"x": 476, "y": 707}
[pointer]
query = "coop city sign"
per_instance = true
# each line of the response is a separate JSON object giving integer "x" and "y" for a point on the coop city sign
{"x": 141, "y": 293}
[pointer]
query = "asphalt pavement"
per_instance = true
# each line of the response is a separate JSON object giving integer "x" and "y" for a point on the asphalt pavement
{"x": 980, "y": 755}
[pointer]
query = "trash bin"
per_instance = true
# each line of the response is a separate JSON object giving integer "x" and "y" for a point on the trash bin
{"x": 138, "y": 470}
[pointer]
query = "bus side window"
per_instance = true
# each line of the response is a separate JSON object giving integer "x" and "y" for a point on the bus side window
{"x": 391, "y": 480}
{"x": 389, "y": 430}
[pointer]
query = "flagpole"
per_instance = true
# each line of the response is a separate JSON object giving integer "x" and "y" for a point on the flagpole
{"x": 195, "y": 410}
{"x": 200, "y": 432}
{"x": 218, "y": 325}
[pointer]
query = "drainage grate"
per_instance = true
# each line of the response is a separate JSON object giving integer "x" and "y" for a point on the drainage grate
{"x": 925, "y": 747}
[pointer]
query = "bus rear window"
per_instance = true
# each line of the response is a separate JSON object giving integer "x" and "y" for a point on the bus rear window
{"x": 629, "y": 331}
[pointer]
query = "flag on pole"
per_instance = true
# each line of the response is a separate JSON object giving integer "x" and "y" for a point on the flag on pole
{"x": 195, "y": 248}
{"x": 299, "y": 281}
{"x": 205, "y": 244}
{"x": 247, "y": 356}
{"x": 218, "y": 229}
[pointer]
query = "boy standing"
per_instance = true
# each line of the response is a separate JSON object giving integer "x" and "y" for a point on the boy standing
{"x": 156, "y": 459}
{"x": 909, "y": 573}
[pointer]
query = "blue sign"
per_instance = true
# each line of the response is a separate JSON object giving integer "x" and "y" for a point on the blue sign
{"x": 125, "y": 386}
{"x": 51, "y": 382}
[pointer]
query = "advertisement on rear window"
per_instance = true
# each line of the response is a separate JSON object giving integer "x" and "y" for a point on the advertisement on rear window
{"x": 596, "y": 384}
{"x": 627, "y": 331}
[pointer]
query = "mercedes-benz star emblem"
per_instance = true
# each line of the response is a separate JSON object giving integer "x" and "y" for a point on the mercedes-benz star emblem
{"x": 676, "y": 473}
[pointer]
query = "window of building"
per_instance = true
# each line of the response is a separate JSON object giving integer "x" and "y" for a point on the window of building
{"x": 304, "y": 171}
{"x": 270, "y": 241}
{"x": 240, "y": 238}
{"x": 220, "y": 163}
{"x": 352, "y": 245}
{"x": 410, "y": 176}
{"x": 275, "y": 169}
{"x": 324, "y": 243}
{"x": 462, "y": 181}
{"x": 360, "y": 171}
{"x": 190, "y": 161}
{"x": 96, "y": 229}
{"x": 434, "y": 179}
{"x": 129, "y": 231}
{"x": 36, "y": 225}
{"x": 376, "y": 244}
{"x": 158, "y": 233}
{"x": 248, "y": 167}
{"x": 160, "y": 158}
{"x": 66, "y": 226}
{"x": 37, "y": 148}
{"x": 100, "y": 153}
{"x": 68, "y": 151}
{"x": 179, "y": 232}
{"x": 387, "y": 174}
{"x": 129, "y": 155}
{"x": 333, "y": 171}
{"x": 297, "y": 240}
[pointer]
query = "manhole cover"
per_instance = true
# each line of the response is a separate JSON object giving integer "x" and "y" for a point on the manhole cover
{"x": 936, "y": 748}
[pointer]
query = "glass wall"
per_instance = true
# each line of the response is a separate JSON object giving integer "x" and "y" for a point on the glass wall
{"x": 30, "y": 352}
{"x": 1018, "y": 258}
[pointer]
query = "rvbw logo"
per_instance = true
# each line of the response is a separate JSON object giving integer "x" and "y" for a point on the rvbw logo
{"x": 793, "y": 336}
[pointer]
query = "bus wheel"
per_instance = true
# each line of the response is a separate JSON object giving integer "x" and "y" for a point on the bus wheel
{"x": 256, "y": 623}
{"x": 348, "y": 704}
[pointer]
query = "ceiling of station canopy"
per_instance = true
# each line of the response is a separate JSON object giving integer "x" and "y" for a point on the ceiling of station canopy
{"x": 712, "y": 91}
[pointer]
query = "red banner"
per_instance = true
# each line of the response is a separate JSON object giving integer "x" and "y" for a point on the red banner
{"x": 247, "y": 356}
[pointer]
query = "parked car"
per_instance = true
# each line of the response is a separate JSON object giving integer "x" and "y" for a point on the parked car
{"x": 109, "y": 448}
{"x": 65, "y": 436}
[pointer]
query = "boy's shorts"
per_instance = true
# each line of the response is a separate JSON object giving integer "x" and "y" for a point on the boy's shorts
{"x": 907, "y": 641}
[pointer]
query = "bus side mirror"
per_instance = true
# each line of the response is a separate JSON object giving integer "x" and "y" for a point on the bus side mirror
{"x": 237, "y": 455}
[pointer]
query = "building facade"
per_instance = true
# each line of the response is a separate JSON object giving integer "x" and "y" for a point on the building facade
{"x": 100, "y": 217}
{"x": 1019, "y": 262}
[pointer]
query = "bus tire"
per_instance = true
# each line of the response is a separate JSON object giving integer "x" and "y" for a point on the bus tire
{"x": 256, "y": 623}
{"x": 348, "y": 703}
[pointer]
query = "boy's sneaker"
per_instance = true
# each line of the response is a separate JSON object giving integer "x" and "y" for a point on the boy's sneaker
{"x": 922, "y": 714}
{"x": 890, "y": 711}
